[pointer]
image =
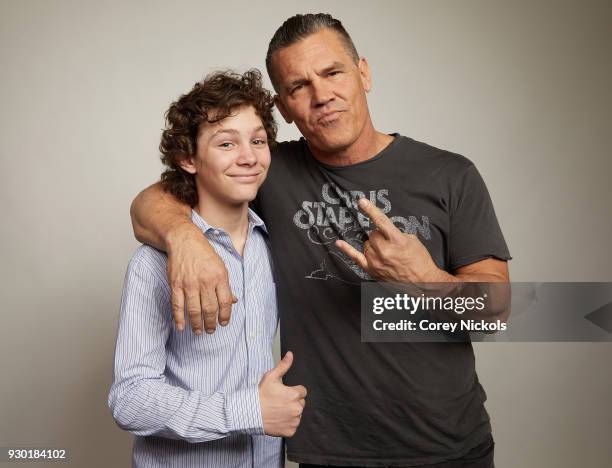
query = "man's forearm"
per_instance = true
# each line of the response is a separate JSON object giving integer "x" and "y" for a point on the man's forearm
{"x": 198, "y": 277}
{"x": 157, "y": 216}
{"x": 489, "y": 277}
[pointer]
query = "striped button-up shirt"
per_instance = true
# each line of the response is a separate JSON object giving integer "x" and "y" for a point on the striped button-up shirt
{"x": 193, "y": 401}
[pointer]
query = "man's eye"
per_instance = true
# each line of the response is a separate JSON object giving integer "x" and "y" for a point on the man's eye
{"x": 296, "y": 88}
{"x": 333, "y": 73}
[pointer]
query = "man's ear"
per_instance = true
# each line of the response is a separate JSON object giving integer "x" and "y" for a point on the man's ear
{"x": 188, "y": 165}
{"x": 364, "y": 73}
{"x": 282, "y": 109}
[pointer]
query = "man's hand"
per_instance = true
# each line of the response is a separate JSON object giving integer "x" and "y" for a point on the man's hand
{"x": 391, "y": 255}
{"x": 281, "y": 406}
{"x": 198, "y": 279}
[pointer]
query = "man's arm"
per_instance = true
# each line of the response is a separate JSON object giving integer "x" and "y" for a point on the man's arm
{"x": 198, "y": 277}
{"x": 393, "y": 256}
{"x": 157, "y": 216}
{"x": 143, "y": 403}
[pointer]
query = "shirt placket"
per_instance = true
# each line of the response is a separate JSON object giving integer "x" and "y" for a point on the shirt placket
{"x": 251, "y": 321}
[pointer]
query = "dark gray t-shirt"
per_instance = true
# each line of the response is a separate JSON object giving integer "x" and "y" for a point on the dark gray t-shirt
{"x": 374, "y": 403}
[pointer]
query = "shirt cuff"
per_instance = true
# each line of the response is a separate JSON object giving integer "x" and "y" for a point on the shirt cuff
{"x": 244, "y": 411}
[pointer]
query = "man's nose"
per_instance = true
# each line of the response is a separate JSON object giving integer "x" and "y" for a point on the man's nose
{"x": 322, "y": 93}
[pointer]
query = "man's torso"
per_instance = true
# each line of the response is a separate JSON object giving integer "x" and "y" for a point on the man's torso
{"x": 368, "y": 403}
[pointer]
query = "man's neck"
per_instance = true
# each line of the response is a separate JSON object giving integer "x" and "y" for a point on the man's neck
{"x": 369, "y": 143}
{"x": 233, "y": 219}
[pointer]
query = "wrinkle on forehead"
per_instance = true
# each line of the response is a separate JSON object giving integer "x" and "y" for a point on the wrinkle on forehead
{"x": 310, "y": 55}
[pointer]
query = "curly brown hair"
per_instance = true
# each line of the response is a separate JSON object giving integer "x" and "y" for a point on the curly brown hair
{"x": 211, "y": 100}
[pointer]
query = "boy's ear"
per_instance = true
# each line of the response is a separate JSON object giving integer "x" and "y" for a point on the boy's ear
{"x": 187, "y": 164}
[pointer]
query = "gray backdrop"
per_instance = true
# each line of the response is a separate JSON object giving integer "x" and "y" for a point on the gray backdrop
{"x": 522, "y": 88}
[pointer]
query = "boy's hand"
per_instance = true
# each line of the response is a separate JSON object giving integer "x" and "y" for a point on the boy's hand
{"x": 281, "y": 406}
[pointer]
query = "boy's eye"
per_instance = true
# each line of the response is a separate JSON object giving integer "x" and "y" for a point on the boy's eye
{"x": 226, "y": 144}
{"x": 259, "y": 141}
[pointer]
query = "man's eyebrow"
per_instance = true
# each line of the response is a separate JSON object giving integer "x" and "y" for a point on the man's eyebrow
{"x": 301, "y": 81}
{"x": 333, "y": 66}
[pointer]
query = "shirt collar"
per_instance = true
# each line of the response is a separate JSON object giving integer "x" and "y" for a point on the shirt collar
{"x": 254, "y": 221}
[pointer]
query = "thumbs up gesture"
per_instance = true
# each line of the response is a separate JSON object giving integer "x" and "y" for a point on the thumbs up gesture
{"x": 281, "y": 406}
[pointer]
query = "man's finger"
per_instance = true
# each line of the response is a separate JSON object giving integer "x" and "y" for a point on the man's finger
{"x": 225, "y": 299}
{"x": 375, "y": 241}
{"x": 209, "y": 310}
{"x": 195, "y": 312}
{"x": 283, "y": 366}
{"x": 178, "y": 308}
{"x": 380, "y": 220}
{"x": 358, "y": 257}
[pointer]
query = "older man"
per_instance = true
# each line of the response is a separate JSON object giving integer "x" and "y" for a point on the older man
{"x": 343, "y": 205}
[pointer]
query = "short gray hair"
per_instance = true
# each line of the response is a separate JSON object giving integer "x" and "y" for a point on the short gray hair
{"x": 299, "y": 27}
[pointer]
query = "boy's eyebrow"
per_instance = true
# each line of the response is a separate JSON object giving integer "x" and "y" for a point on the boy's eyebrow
{"x": 233, "y": 131}
{"x": 225, "y": 130}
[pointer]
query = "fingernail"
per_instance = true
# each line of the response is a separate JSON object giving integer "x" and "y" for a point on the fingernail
{"x": 180, "y": 327}
{"x": 198, "y": 332}
{"x": 224, "y": 322}
{"x": 210, "y": 331}
{"x": 363, "y": 202}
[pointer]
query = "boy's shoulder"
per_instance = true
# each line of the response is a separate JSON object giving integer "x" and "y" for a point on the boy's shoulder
{"x": 150, "y": 261}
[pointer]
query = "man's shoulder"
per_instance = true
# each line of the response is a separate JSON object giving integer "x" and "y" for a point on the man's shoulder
{"x": 439, "y": 158}
{"x": 291, "y": 148}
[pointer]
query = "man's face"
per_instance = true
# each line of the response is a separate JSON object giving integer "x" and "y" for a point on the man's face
{"x": 232, "y": 158}
{"x": 322, "y": 90}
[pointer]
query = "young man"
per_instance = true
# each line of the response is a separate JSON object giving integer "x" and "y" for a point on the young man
{"x": 425, "y": 217}
{"x": 215, "y": 395}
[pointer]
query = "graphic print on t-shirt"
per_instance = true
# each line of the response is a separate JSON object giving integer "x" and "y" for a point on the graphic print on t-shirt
{"x": 337, "y": 216}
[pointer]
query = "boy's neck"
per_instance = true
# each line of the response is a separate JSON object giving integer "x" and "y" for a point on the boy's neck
{"x": 233, "y": 219}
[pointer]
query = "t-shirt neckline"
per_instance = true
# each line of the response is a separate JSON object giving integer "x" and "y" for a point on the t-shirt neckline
{"x": 379, "y": 155}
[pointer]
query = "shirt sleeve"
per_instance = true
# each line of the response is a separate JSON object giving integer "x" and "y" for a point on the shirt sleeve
{"x": 474, "y": 230}
{"x": 140, "y": 399}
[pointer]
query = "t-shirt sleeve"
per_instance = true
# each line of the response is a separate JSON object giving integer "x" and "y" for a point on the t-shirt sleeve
{"x": 474, "y": 230}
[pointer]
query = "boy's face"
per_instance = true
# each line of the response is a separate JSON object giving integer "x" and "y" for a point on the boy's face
{"x": 232, "y": 158}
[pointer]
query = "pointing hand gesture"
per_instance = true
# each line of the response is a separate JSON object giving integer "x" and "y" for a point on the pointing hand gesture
{"x": 389, "y": 254}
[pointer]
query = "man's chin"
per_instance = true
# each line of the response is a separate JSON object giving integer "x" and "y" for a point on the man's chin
{"x": 332, "y": 141}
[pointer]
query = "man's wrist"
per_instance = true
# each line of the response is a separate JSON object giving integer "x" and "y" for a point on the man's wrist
{"x": 180, "y": 232}
{"x": 436, "y": 275}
